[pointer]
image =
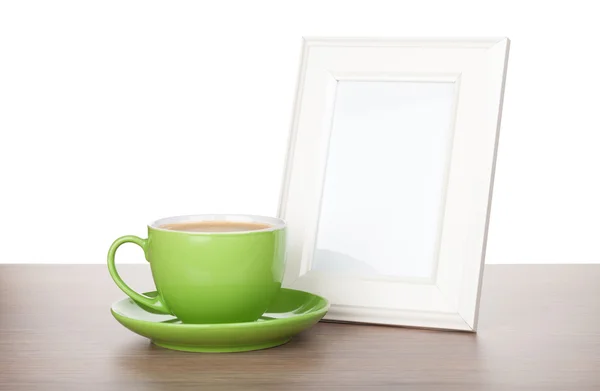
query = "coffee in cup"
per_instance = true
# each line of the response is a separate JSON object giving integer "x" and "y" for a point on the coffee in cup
{"x": 215, "y": 226}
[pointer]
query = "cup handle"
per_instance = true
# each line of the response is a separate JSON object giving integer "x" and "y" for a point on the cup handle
{"x": 153, "y": 302}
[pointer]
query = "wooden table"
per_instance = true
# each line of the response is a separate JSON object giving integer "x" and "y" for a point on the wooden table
{"x": 539, "y": 330}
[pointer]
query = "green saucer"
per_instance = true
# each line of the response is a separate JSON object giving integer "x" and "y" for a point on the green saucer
{"x": 292, "y": 312}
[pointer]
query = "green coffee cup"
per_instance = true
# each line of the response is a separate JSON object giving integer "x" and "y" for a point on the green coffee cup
{"x": 210, "y": 268}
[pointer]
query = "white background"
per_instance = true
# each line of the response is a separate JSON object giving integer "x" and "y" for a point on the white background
{"x": 113, "y": 113}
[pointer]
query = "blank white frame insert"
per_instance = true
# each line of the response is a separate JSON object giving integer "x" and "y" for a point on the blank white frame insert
{"x": 390, "y": 142}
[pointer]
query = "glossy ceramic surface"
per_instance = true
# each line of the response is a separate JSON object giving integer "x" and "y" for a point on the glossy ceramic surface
{"x": 210, "y": 277}
{"x": 291, "y": 312}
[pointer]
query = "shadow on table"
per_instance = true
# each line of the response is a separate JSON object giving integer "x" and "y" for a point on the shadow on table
{"x": 152, "y": 366}
{"x": 337, "y": 356}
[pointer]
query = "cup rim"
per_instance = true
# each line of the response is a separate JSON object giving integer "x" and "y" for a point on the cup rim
{"x": 275, "y": 223}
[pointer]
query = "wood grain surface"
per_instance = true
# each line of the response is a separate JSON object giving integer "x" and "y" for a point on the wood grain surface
{"x": 539, "y": 330}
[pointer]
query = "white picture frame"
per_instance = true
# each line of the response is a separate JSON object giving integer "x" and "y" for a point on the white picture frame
{"x": 448, "y": 298}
